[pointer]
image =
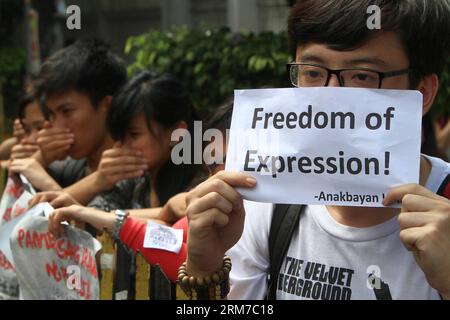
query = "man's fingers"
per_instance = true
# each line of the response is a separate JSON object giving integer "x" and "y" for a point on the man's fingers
{"x": 5, "y": 164}
{"x": 18, "y": 130}
{"x": 236, "y": 179}
{"x": 412, "y": 238}
{"x": 210, "y": 218}
{"x": 54, "y": 223}
{"x": 56, "y": 136}
{"x": 220, "y": 186}
{"x": 126, "y": 176}
{"x": 35, "y": 200}
{"x": 16, "y": 166}
{"x": 25, "y": 147}
{"x": 127, "y": 164}
{"x": 56, "y": 152}
{"x": 211, "y": 200}
{"x": 415, "y": 219}
{"x": 23, "y": 151}
{"x": 21, "y": 155}
{"x": 120, "y": 152}
{"x": 412, "y": 202}
{"x": 48, "y": 130}
{"x": 123, "y": 169}
{"x": 43, "y": 197}
{"x": 397, "y": 193}
{"x": 62, "y": 200}
{"x": 132, "y": 159}
{"x": 55, "y": 144}
{"x": 117, "y": 171}
{"x": 53, "y": 147}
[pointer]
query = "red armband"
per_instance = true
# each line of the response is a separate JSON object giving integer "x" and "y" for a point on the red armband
{"x": 132, "y": 235}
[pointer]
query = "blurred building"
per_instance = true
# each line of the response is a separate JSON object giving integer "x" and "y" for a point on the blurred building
{"x": 115, "y": 20}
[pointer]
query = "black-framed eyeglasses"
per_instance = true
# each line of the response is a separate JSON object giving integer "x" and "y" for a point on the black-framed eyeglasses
{"x": 313, "y": 75}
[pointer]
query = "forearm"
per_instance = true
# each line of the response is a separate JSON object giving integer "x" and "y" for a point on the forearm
{"x": 100, "y": 220}
{"x": 46, "y": 183}
{"x": 132, "y": 235}
{"x": 40, "y": 158}
{"x": 145, "y": 214}
{"x": 85, "y": 190}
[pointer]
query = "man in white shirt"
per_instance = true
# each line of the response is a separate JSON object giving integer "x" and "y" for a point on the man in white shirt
{"x": 340, "y": 252}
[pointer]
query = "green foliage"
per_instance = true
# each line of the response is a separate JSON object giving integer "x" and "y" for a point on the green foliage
{"x": 214, "y": 62}
{"x": 12, "y": 58}
{"x": 12, "y": 62}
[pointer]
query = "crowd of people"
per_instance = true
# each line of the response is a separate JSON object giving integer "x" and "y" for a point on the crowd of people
{"x": 97, "y": 147}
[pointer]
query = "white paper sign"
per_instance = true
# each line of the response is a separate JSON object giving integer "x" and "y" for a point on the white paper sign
{"x": 13, "y": 190}
{"x": 162, "y": 237}
{"x": 11, "y": 199}
{"x": 339, "y": 146}
{"x": 54, "y": 268}
{"x": 43, "y": 208}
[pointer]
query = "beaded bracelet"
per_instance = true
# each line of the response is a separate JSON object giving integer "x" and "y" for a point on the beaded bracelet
{"x": 215, "y": 287}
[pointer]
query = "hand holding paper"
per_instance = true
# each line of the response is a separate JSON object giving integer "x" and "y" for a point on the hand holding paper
{"x": 216, "y": 220}
{"x": 425, "y": 230}
{"x": 334, "y": 146}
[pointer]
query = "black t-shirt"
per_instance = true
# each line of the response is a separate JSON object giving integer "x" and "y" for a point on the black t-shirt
{"x": 68, "y": 171}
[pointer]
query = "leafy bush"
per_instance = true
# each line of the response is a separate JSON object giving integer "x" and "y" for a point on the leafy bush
{"x": 12, "y": 67}
{"x": 12, "y": 62}
{"x": 214, "y": 62}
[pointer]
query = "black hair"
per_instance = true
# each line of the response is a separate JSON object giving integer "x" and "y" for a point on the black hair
{"x": 23, "y": 104}
{"x": 423, "y": 26}
{"x": 429, "y": 144}
{"x": 221, "y": 117}
{"x": 166, "y": 101}
{"x": 88, "y": 66}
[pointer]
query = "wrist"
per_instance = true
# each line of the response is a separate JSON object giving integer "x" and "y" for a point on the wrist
{"x": 209, "y": 287}
{"x": 196, "y": 270}
{"x": 49, "y": 185}
{"x": 99, "y": 184}
{"x": 39, "y": 157}
{"x": 121, "y": 216}
{"x": 165, "y": 214}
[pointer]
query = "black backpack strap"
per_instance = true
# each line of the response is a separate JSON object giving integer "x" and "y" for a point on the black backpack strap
{"x": 444, "y": 188}
{"x": 284, "y": 222}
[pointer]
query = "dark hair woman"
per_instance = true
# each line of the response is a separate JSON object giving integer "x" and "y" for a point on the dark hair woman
{"x": 147, "y": 110}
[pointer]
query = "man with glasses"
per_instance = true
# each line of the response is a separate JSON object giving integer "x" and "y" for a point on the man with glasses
{"x": 348, "y": 252}
{"x": 315, "y": 75}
